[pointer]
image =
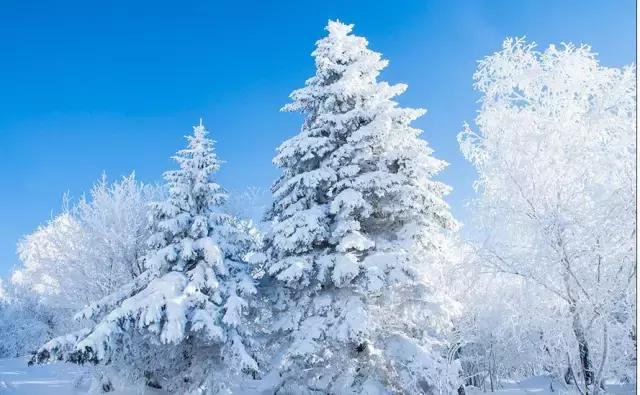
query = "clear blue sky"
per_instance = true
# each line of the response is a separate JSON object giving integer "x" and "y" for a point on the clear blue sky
{"x": 114, "y": 86}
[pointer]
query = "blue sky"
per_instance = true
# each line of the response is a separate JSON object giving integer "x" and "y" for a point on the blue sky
{"x": 114, "y": 86}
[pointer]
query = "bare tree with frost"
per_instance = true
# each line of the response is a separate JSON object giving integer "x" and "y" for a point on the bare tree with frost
{"x": 91, "y": 248}
{"x": 84, "y": 253}
{"x": 555, "y": 153}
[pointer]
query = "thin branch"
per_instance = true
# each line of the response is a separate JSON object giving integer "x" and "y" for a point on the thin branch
{"x": 529, "y": 276}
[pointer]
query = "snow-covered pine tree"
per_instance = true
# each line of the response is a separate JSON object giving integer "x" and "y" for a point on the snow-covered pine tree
{"x": 356, "y": 217}
{"x": 179, "y": 325}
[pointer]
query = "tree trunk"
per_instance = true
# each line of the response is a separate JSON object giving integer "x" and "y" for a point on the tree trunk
{"x": 583, "y": 348}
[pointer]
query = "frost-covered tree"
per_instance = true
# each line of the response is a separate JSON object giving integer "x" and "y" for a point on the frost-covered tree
{"x": 91, "y": 248}
{"x": 26, "y": 322}
{"x": 498, "y": 339}
{"x": 555, "y": 153}
{"x": 355, "y": 221}
{"x": 179, "y": 324}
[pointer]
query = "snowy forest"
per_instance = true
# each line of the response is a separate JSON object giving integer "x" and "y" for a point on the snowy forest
{"x": 351, "y": 275}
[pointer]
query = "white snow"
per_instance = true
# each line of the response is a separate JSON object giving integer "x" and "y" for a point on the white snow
{"x": 58, "y": 378}
{"x": 541, "y": 385}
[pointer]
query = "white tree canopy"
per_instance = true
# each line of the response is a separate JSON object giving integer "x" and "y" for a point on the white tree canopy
{"x": 91, "y": 248}
{"x": 555, "y": 153}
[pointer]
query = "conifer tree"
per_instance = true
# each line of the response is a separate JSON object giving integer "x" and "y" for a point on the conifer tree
{"x": 355, "y": 219}
{"x": 179, "y": 325}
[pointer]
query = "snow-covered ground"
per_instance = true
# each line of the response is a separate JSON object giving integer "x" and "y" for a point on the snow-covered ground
{"x": 16, "y": 378}
{"x": 541, "y": 385}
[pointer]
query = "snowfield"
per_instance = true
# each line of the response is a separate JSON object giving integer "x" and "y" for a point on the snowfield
{"x": 16, "y": 378}
{"x": 541, "y": 385}
{"x": 58, "y": 378}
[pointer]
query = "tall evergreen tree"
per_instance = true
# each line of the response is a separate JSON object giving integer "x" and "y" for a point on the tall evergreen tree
{"x": 356, "y": 217}
{"x": 182, "y": 319}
